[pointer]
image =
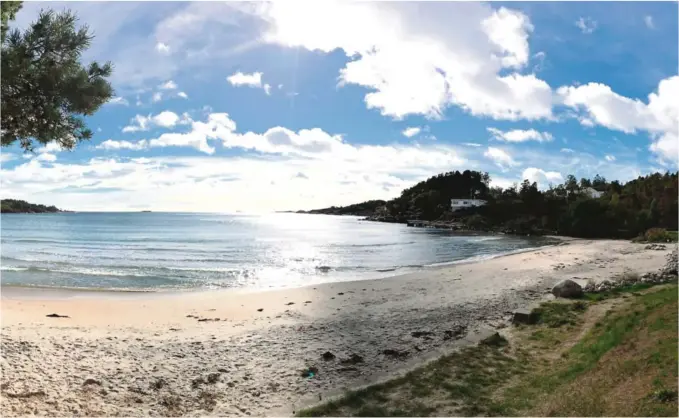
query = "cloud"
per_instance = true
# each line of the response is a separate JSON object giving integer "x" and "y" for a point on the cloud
{"x": 648, "y": 20}
{"x": 157, "y": 96}
{"x": 586, "y": 25}
{"x": 411, "y": 131}
{"x": 541, "y": 177}
{"x": 46, "y": 156}
{"x": 518, "y": 135}
{"x": 6, "y": 156}
{"x": 596, "y": 103}
{"x": 610, "y": 158}
{"x": 110, "y": 144}
{"x": 567, "y": 150}
{"x": 267, "y": 89}
{"x": 183, "y": 95}
{"x": 242, "y": 79}
{"x": 471, "y": 144}
{"x": 421, "y": 60}
{"x": 500, "y": 157}
{"x": 336, "y": 172}
{"x": 162, "y": 48}
{"x": 168, "y": 85}
{"x": 118, "y": 101}
{"x": 165, "y": 119}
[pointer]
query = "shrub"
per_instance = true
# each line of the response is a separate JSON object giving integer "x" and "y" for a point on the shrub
{"x": 657, "y": 235}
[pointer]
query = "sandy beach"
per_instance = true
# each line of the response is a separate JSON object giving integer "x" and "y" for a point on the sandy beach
{"x": 244, "y": 353}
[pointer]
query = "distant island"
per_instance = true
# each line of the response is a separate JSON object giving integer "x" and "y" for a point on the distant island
{"x": 21, "y": 206}
{"x": 589, "y": 208}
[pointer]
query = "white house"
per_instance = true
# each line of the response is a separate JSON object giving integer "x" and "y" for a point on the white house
{"x": 592, "y": 193}
{"x": 456, "y": 204}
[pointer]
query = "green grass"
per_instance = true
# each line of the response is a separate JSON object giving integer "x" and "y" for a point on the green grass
{"x": 625, "y": 364}
{"x": 580, "y": 373}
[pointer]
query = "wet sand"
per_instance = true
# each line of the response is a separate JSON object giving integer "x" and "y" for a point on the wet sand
{"x": 244, "y": 353}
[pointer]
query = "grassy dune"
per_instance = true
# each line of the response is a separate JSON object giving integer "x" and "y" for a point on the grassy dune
{"x": 609, "y": 355}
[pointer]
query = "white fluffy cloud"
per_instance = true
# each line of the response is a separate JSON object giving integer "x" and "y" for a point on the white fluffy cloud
{"x": 610, "y": 158}
{"x": 162, "y": 48}
{"x": 411, "y": 131}
{"x": 165, "y": 119}
{"x": 541, "y": 177}
{"x": 118, "y": 101}
{"x": 500, "y": 157}
{"x": 519, "y": 135}
{"x": 586, "y": 25}
{"x": 111, "y": 144}
{"x": 420, "y": 60}
{"x": 242, "y": 79}
{"x": 598, "y": 104}
{"x": 168, "y": 85}
{"x": 183, "y": 95}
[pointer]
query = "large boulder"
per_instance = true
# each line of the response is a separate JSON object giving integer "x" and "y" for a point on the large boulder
{"x": 525, "y": 316}
{"x": 567, "y": 289}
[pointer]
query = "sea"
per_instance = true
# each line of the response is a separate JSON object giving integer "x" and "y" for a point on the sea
{"x": 198, "y": 251}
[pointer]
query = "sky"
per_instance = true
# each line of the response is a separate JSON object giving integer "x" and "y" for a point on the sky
{"x": 256, "y": 107}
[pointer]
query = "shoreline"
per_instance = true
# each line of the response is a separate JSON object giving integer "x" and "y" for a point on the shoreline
{"x": 15, "y": 291}
{"x": 240, "y": 353}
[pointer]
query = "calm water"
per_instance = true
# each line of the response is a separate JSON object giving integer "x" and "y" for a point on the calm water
{"x": 184, "y": 251}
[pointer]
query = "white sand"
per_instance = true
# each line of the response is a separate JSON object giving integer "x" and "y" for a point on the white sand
{"x": 147, "y": 357}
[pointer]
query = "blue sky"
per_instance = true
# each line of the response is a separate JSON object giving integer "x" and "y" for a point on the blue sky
{"x": 276, "y": 106}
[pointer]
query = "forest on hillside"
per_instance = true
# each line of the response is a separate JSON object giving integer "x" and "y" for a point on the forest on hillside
{"x": 21, "y": 206}
{"x": 623, "y": 211}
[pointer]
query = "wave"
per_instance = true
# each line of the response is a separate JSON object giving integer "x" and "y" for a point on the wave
{"x": 484, "y": 257}
{"x": 387, "y": 244}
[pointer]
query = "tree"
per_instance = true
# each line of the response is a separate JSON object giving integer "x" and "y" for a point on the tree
{"x": 9, "y": 11}
{"x": 584, "y": 183}
{"x": 45, "y": 88}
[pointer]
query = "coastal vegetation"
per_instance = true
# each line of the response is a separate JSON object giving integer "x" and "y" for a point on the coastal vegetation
{"x": 621, "y": 211}
{"x": 613, "y": 355}
{"x": 21, "y": 206}
{"x": 46, "y": 90}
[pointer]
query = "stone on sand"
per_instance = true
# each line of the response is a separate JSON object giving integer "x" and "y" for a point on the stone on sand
{"x": 567, "y": 289}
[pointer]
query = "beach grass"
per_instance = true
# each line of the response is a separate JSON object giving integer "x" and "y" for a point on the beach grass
{"x": 613, "y": 355}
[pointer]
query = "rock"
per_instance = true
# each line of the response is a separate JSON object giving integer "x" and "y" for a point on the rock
{"x": 54, "y": 315}
{"x": 91, "y": 381}
{"x": 213, "y": 378}
{"x": 524, "y": 316}
{"x": 567, "y": 289}
{"x": 457, "y": 331}
{"x": 655, "y": 247}
{"x": 395, "y": 353}
{"x": 260, "y": 309}
{"x": 421, "y": 334}
{"x": 353, "y": 359}
{"x": 158, "y": 384}
{"x": 195, "y": 383}
{"x": 495, "y": 340}
{"x": 222, "y": 370}
{"x": 324, "y": 269}
{"x": 289, "y": 303}
{"x": 327, "y": 356}
{"x": 340, "y": 294}
{"x": 671, "y": 265}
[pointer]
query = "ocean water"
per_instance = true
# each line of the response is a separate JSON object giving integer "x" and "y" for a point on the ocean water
{"x": 164, "y": 251}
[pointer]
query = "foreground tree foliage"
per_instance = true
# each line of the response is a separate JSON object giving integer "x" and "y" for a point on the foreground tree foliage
{"x": 45, "y": 89}
{"x": 624, "y": 211}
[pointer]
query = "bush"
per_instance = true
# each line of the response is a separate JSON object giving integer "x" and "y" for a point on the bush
{"x": 657, "y": 235}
